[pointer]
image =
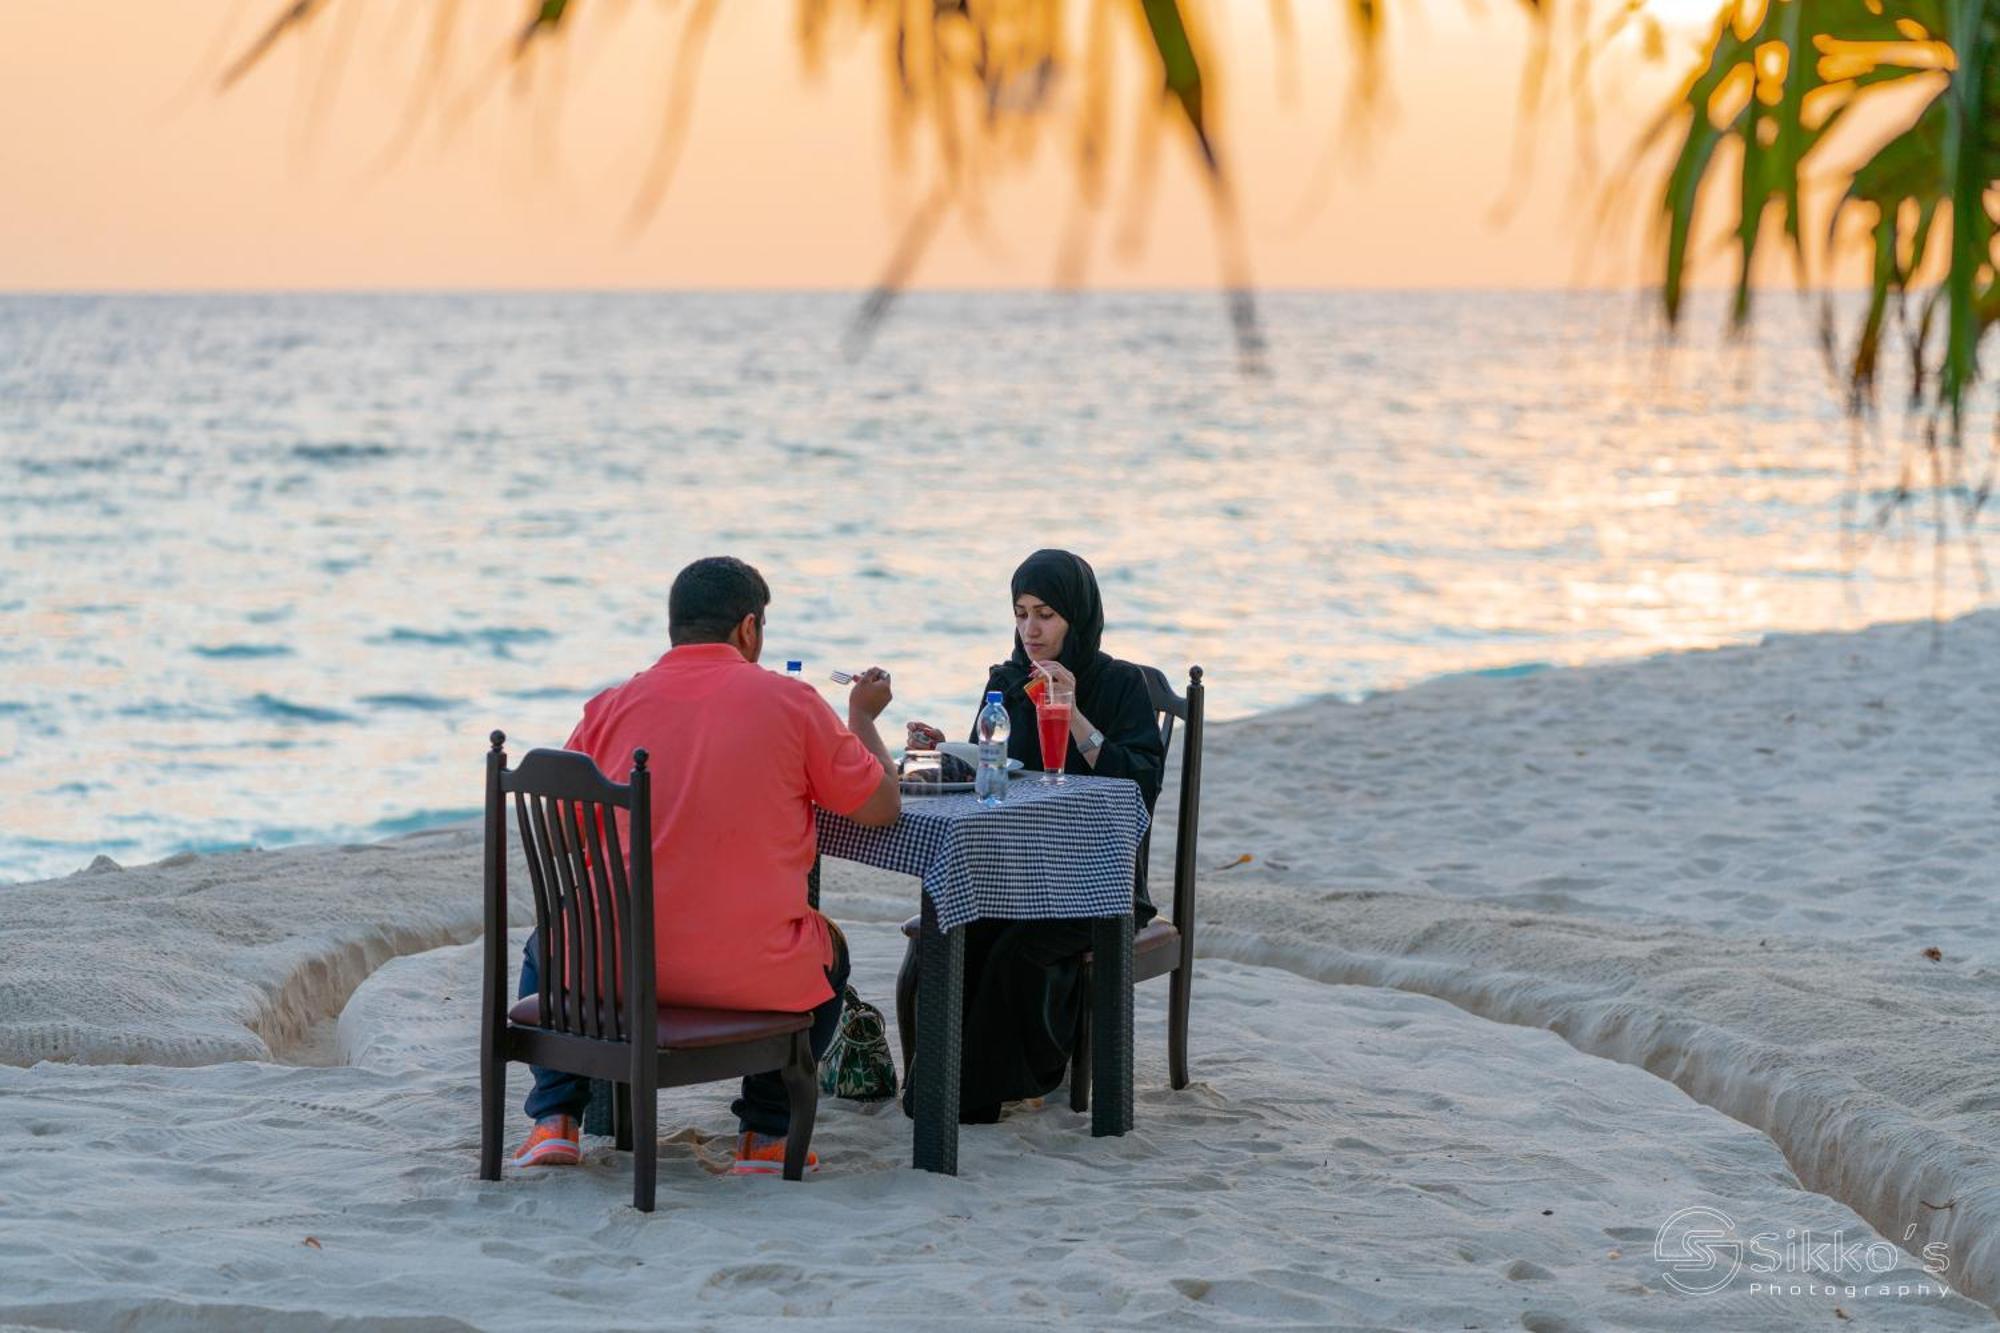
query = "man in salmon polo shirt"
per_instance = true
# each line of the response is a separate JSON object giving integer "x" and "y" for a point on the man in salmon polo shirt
{"x": 739, "y": 756}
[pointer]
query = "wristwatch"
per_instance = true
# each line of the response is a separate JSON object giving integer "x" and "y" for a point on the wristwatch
{"x": 1094, "y": 741}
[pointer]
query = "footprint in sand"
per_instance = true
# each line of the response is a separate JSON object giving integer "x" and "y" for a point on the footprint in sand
{"x": 1538, "y": 1321}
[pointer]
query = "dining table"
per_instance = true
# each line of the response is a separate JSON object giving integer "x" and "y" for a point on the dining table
{"x": 1048, "y": 850}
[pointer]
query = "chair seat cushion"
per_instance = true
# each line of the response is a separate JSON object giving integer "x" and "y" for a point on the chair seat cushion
{"x": 1152, "y": 937}
{"x": 1158, "y": 933}
{"x": 684, "y": 1029}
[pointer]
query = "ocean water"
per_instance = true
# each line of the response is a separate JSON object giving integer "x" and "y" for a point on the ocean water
{"x": 271, "y": 567}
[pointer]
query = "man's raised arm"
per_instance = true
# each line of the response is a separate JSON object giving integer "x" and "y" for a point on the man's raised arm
{"x": 865, "y": 702}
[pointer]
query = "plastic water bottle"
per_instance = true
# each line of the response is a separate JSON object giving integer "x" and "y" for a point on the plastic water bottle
{"x": 993, "y": 729}
{"x": 795, "y": 669}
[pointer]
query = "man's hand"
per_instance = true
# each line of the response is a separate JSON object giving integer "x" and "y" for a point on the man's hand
{"x": 865, "y": 702}
{"x": 870, "y": 694}
{"x": 922, "y": 736}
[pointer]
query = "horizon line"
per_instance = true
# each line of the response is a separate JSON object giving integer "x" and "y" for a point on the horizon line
{"x": 862, "y": 292}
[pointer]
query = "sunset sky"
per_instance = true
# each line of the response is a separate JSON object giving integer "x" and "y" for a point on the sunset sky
{"x": 125, "y": 169}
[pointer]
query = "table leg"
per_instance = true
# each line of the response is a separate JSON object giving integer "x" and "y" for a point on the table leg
{"x": 1111, "y": 1025}
{"x": 940, "y": 1001}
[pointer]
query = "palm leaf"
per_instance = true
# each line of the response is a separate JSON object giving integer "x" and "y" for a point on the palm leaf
{"x": 1806, "y": 64}
{"x": 1183, "y": 72}
{"x": 289, "y": 19}
{"x": 544, "y": 19}
{"x": 1969, "y": 161}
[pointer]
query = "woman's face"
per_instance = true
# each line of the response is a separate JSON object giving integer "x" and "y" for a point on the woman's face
{"x": 1040, "y": 628}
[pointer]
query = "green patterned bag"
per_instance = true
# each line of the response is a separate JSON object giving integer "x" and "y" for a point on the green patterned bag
{"x": 858, "y": 1065}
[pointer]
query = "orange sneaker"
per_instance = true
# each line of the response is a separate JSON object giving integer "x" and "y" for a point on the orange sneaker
{"x": 762, "y": 1155}
{"x": 552, "y": 1142}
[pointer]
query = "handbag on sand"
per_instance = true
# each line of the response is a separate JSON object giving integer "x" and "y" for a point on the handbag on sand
{"x": 858, "y": 1065}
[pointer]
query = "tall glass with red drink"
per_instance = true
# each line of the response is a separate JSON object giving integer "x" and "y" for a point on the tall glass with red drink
{"x": 1052, "y": 714}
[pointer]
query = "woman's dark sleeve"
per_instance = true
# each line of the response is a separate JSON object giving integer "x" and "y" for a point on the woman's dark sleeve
{"x": 1132, "y": 746}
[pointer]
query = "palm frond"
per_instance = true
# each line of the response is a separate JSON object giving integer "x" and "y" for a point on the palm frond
{"x": 290, "y": 19}
{"x": 975, "y": 82}
{"x": 1777, "y": 78}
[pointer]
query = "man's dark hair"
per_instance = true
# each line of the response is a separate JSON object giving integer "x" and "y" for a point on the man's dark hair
{"x": 710, "y": 598}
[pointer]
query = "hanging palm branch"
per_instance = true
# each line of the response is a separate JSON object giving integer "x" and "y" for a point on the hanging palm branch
{"x": 1778, "y": 78}
{"x": 979, "y": 80}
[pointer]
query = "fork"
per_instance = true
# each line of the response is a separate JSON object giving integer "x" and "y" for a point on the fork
{"x": 841, "y": 678}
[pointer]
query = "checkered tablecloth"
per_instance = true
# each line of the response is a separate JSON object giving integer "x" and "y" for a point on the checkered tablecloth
{"x": 1046, "y": 851}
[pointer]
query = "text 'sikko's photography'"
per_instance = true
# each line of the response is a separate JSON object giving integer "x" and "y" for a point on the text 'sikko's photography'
{"x": 1019, "y": 663}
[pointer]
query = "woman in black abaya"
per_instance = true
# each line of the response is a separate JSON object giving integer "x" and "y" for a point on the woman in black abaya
{"x": 1023, "y": 979}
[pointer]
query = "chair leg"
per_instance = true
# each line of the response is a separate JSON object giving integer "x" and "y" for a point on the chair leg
{"x": 621, "y": 1116}
{"x": 906, "y": 1007}
{"x": 1079, "y": 1055}
{"x": 802, "y": 1096}
{"x": 644, "y": 1092}
{"x": 1178, "y": 999}
{"x": 492, "y": 1099}
{"x": 597, "y": 1113}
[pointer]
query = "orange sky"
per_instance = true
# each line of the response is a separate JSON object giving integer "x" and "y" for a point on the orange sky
{"x": 122, "y": 169}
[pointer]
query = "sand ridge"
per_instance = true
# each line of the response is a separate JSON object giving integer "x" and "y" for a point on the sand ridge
{"x": 200, "y": 959}
{"x": 1348, "y": 1158}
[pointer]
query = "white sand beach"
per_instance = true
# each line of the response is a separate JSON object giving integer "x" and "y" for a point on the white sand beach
{"x": 1519, "y": 968}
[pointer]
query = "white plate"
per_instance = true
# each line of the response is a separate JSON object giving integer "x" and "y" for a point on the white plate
{"x": 952, "y": 788}
{"x": 935, "y": 788}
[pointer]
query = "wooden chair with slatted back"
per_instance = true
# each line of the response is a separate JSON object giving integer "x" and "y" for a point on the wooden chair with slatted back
{"x": 596, "y": 1013}
{"x": 1164, "y": 946}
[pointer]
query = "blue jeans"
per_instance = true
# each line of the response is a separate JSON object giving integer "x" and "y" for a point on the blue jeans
{"x": 762, "y": 1107}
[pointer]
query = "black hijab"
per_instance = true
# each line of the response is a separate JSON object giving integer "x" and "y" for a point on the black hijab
{"x": 1068, "y": 584}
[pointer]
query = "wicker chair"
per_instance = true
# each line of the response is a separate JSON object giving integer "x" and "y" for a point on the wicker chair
{"x": 1164, "y": 947}
{"x": 594, "y": 924}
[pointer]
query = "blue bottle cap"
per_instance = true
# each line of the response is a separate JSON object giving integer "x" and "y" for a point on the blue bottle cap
{"x": 993, "y": 696}
{"x": 795, "y": 666}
